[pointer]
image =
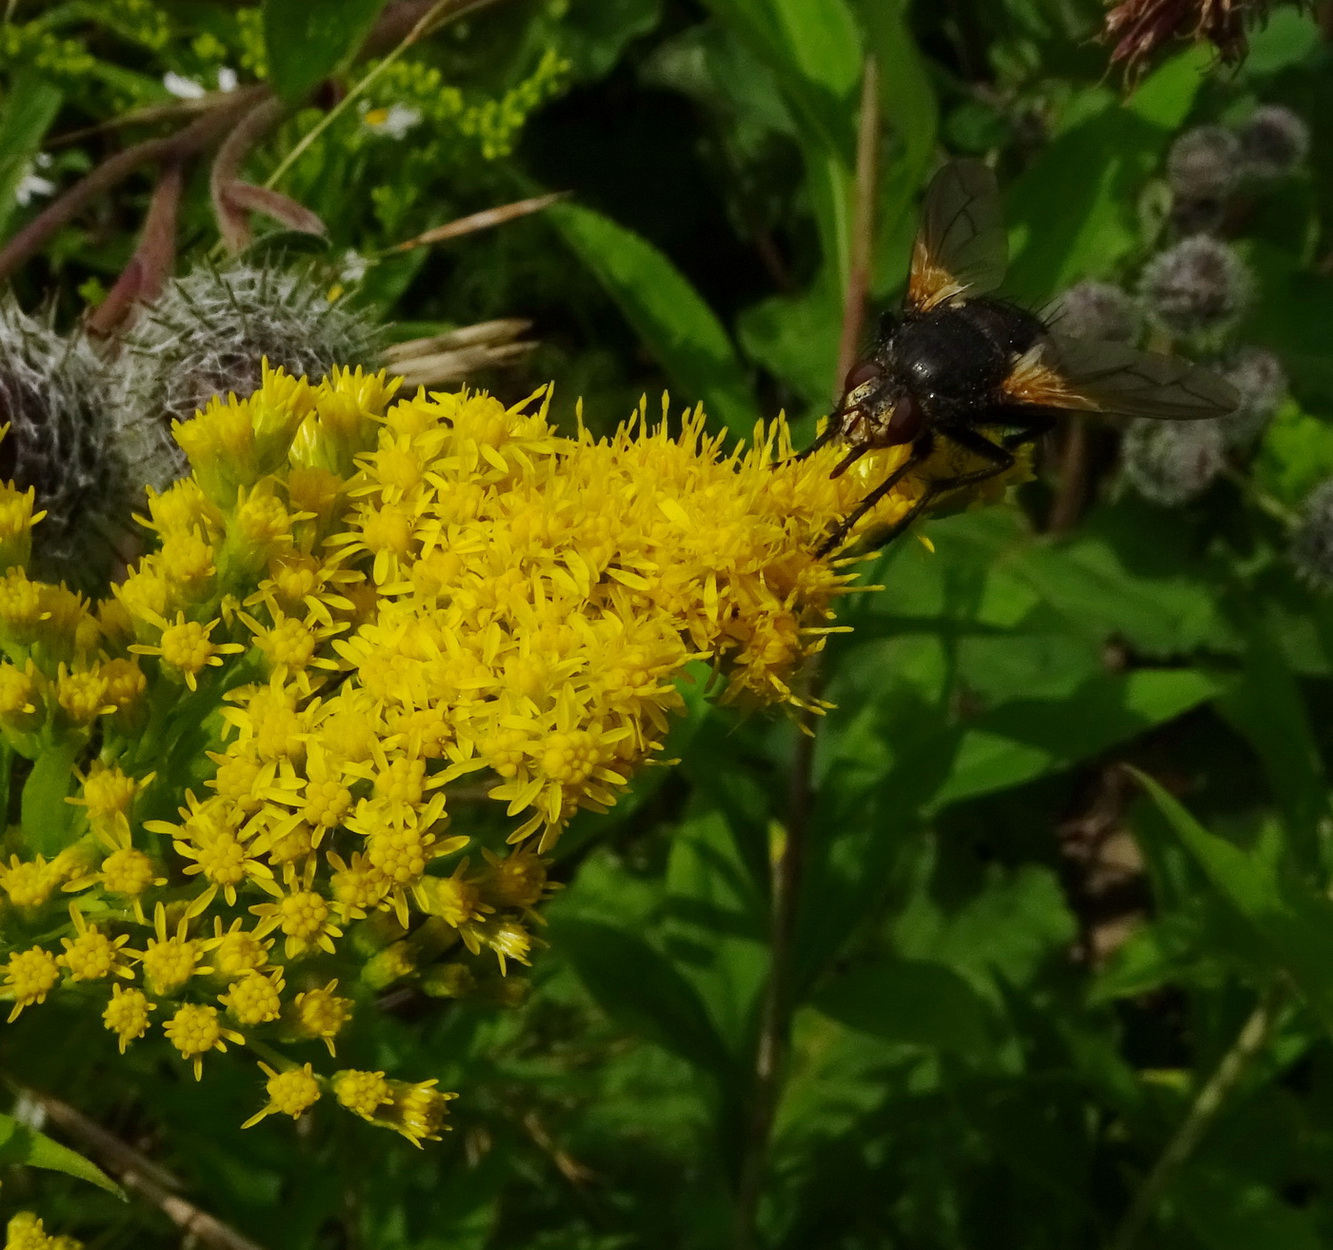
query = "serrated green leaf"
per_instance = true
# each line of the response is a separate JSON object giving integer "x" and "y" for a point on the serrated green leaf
{"x": 306, "y": 42}
{"x": 22, "y": 1145}
{"x": 673, "y": 320}
{"x": 1290, "y": 922}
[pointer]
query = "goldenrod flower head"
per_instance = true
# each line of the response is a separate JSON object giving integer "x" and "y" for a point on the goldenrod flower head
{"x": 320, "y": 1013}
{"x": 29, "y": 883}
{"x": 418, "y": 1111}
{"x": 26, "y": 1232}
{"x": 363, "y": 1093}
{"x": 508, "y": 939}
{"x": 195, "y": 1030}
{"x": 91, "y": 955}
{"x": 170, "y": 961}
{"x": 129, "y": 871}
{"x": 21, "y": 609}
{"x": 517, "y": 880}
{"x": 455, "y": 899}
{"x": 183, "y": 508}
{"x": 303, "y": 917}
{"x": 291, "y": 1093}
{"x": 107, "y": 795}
{"x": 17, "y": 518}
{"x": 125, "y": 684}
{"x": 20, "y": 700}
{"x": 254, "y": 998}
{"x": 186, "y": 649}
{"x": 188, "y": 567}
{"x": 29, "y": 977}
{"x": 126, "y": 1015}
{"x": 81, "y": 695}
{"x": 238, "y": 950}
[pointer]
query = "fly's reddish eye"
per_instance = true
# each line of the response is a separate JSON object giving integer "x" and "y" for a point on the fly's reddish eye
{"x": 859, "y": 375}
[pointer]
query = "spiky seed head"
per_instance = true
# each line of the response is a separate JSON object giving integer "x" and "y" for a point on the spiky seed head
{"x": 62, "y": 443}
{"x": 1273, "y": 141}
{"x": 209, "y": 334}
{"x": 1312, "y": 540}
{"x": 1171, "y": 462}
{"x": 1261, "y": 382}
{"x": 1197, "y": 287}
{"x": 1097, "y": 310}
{"x": 1204, "y": 163}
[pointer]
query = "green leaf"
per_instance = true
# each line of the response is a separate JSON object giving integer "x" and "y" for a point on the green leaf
{"x": 666, "y": 311}
{"x": 1230, "y": 1211}
{"x": 911, "y": 1001}
{"x": 1288, "y": 38}
{"x": 306, "y": 42}
{"x": 1160, "y": 597}
{"x": 795, "y": 337}
{"x": 1074, "y": 212}
{"x": 47, "y": 818}
{"x": 814, "y": 53}
{"x": 716, "y": 928}
{"x": 22, "y": 1145}
{"x": 1290, "y": 922}
{"x": 29, "y": 108}
{"x": 1266, "y": 707}
{"x": 1023, "y": 740}
{"x": 640, "y": 989}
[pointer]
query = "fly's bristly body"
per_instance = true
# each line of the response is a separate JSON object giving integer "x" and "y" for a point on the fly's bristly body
{"x": 963, "y": 366}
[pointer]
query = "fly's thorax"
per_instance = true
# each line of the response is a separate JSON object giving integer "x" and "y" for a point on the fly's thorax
{"x": 948, "y": 358}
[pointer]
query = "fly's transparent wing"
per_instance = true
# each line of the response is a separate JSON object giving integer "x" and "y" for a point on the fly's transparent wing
{"x": 1087, "y": 376}
{"x": 1123, "y": 382}
{"x": 962, "y": 248}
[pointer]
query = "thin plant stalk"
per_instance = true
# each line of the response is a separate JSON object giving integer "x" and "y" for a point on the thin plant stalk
{"x": 1249, "y": 1043}
{"x": 774, "y": 1040}
{"x": 421, "y": 27}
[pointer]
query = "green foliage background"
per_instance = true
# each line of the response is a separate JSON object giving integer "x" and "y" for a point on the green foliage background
{"x": 963, "y": 1072}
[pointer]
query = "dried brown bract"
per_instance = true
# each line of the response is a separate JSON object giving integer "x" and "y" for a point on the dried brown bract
{"x": 1140, "y": 27}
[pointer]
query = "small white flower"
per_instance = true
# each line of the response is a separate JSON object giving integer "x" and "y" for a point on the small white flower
{"x": 32, "y": 184}
{"x": 353, "y": 266}
{"x": 181, "y": 87}
{"x": 394, "y": 121}
{"x": 227, "y": 78}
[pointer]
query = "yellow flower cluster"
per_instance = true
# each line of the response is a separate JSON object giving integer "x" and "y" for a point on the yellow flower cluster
{"x": 366, "y": 622}
{"x": 26, "y": 1232}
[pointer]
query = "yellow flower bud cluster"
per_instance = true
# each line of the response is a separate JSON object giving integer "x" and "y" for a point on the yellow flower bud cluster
{"x": 26, "y": 1232}
{"x": 381, "y": 652}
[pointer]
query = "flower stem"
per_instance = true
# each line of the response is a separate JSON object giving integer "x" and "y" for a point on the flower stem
{"x": 775, "y": 1027}
{"x": 441, "y": 10}
{"x": 1249, "y": 1042}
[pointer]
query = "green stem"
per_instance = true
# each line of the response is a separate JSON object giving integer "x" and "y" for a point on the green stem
{"x": 775, "y": 1028}
{"x": 422, "y": 25}
{"x": 1249, "y": 1042}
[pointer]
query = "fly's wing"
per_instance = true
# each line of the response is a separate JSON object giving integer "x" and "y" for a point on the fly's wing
{"x": 962, "y": 249}
{"x": 1111, "y": 378}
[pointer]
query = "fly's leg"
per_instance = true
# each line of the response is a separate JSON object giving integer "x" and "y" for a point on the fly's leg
{"x": 921, "y": 450}
{"x": 830, "y": 432}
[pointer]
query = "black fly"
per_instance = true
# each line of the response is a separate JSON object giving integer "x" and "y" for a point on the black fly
{"x": 983, "y": 373}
